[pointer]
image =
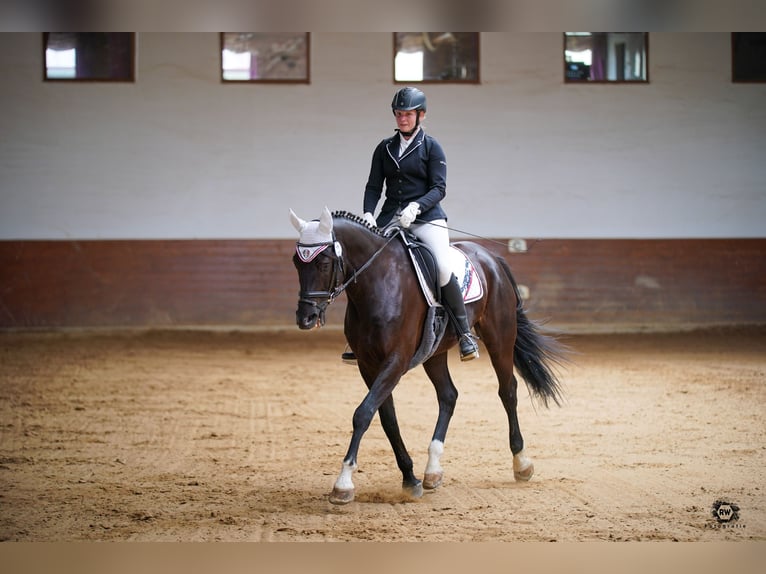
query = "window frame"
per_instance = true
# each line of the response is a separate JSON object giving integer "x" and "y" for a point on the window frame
{"x": 130, "y": 78}
{"x": 305, "y": 79}
{"x": 734, "y": 46}
{"x": 643, "y": 81}
{"x": 469, "y": 81}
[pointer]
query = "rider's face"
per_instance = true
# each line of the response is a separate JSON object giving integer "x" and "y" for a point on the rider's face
{"x": 405, "y": 119}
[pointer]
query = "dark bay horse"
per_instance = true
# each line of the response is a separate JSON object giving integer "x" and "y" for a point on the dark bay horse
{"x": 384, "y": 324}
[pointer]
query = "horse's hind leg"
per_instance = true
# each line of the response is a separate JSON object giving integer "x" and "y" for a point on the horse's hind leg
{"x": 446, "y": 394}
{"x": 502, "y": 361}
{"x": 523, "y": 469}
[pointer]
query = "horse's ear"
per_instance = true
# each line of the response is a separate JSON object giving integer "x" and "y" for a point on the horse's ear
{"x": 297, "y": 222}
{"x": 325, "y": 222}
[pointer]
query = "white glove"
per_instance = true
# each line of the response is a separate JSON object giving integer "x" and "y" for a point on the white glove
{"x": 409, "y": 214}
{"x": 369, "y": 218}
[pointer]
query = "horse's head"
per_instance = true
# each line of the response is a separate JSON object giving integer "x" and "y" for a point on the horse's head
{"x": 318, "y": 259}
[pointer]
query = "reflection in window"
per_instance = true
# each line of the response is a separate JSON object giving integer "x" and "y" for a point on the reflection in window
{"x": 61, "y": 63}
{"x": 436, "y": 57}
{"x": 265, "y": 57}
{"x": 605, "y": 57}
{"x": 89, "y": 56}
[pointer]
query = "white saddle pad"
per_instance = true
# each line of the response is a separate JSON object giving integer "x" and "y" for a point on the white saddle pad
{"x": 467, "y": 278}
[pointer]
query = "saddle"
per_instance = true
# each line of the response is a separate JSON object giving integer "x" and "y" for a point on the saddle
{"x": 424, "y": 264}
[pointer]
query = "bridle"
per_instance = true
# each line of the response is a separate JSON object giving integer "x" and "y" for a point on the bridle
{"x": 320, "y": 300}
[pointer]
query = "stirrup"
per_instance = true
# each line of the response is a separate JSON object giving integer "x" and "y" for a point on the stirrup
{"x": 469, "y": 349}
{"x": 348, "y": 357}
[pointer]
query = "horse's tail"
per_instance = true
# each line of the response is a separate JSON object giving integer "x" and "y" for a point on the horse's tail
{"x": 535, "y": 352}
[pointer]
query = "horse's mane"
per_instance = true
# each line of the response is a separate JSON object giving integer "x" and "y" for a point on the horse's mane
{"x": 348, "y": 216}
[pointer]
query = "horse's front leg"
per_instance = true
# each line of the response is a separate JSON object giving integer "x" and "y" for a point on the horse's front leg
{"x": 378, "y": 398}
{"x": 343, "y": 491}
{"x": 411, "y": 485}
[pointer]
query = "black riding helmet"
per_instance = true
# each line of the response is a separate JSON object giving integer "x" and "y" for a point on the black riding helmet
{"x": 408, "y": 99}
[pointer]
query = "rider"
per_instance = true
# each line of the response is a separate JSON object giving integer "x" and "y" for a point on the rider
{"x": 413, "y": 167}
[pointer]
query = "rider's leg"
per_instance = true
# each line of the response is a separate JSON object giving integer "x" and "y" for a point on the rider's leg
{"x": 436, "y": 236}
{"x": 452, "y": 297}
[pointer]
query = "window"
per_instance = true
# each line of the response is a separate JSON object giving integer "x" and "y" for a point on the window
{"x": 265, "y": 57}
{"x": 89, "y": 56}
{"x": 436, "y": 57}
{"x": 748, "y": 56}
{"x": 606, "y": 57}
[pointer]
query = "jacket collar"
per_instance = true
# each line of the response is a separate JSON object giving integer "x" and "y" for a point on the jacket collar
{"x": 393, "y": 145}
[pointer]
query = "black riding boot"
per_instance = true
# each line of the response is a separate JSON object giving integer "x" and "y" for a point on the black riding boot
{"x": 453, "y": 299}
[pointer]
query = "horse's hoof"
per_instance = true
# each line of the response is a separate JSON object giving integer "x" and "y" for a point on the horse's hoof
{"x": 413, "y": 490}
{"x": 432, "y": 480}
{"x": 340, "y": 496}
{"x": 524, "y": 474}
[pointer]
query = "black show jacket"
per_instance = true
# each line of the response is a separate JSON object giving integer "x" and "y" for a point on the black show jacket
{"x": 419, "y": 175}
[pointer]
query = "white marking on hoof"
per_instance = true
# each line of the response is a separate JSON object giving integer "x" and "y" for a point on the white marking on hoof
{"x": 344, "y": 484}
{"x": 523, "y": 468}
{"x": 434, "y": 472}
{"x": 344, "y": 479}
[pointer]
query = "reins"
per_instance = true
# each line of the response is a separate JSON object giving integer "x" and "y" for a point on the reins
{"x": 495, "y": 241}
{"x": 336, "y": 288}
{"x": 342, "y": 287}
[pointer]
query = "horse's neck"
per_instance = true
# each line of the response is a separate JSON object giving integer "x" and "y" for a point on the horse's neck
{"x": 361, "y": 245}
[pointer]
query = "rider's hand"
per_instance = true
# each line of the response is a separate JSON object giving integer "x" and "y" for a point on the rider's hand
{"x": 370, "y": 219}
{"x": 409, "y": 214}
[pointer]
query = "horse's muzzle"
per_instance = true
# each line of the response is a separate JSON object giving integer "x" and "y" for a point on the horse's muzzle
{"x": 309, "y": 315}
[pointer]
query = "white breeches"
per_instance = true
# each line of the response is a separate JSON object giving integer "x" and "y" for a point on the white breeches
{"x": 436, "y": 235}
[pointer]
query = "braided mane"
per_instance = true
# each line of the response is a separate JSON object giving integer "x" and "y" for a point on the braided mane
{"x": 348, "y": 216}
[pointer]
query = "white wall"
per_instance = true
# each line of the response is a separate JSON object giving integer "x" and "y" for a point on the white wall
{"x": 179, "y": 155}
